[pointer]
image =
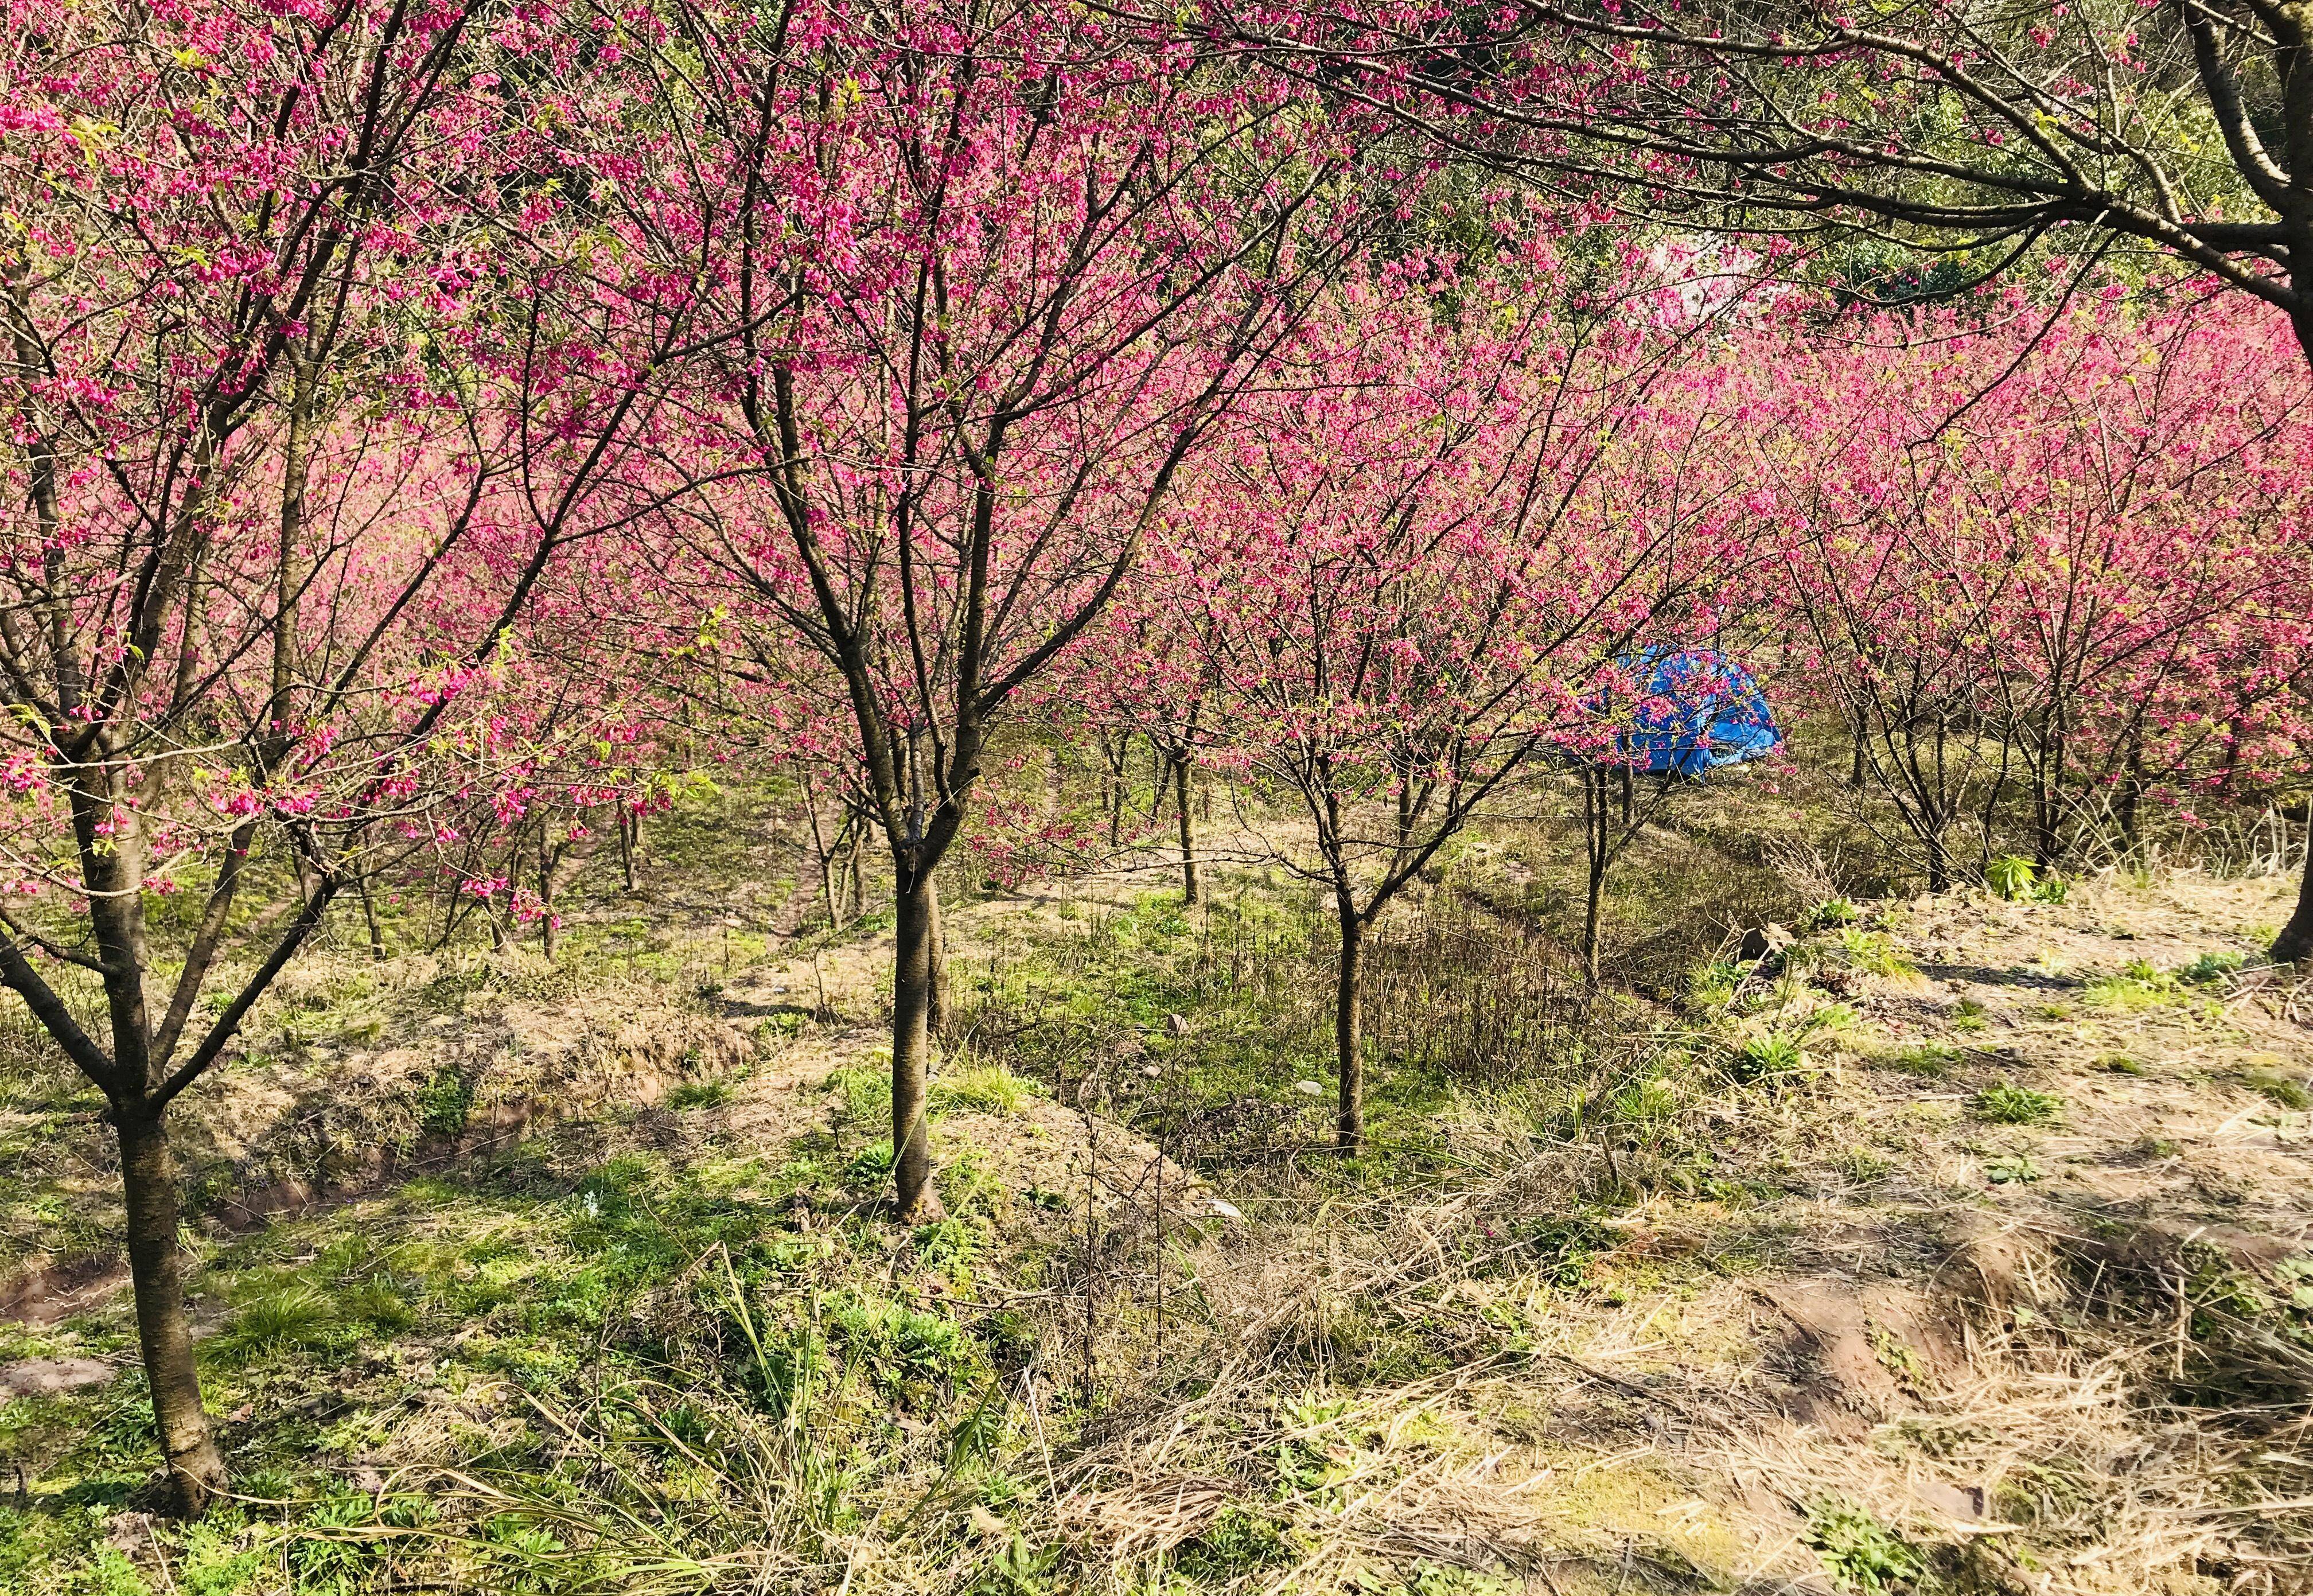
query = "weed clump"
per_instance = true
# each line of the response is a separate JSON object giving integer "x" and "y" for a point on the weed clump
{"x": 986, "y": 1088}
{"x": 2006, "y": 1105}
{"x": 1767, "y": 1056}
{"x": 2280, "y": 1089}
{"x": 2211, "y": 968}
{"x": 1858, "y": 1551}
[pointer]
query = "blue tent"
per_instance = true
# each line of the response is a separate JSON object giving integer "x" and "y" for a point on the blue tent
{"x": 1697, "y": 710}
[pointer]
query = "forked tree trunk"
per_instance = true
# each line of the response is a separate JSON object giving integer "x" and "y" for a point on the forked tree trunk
{"x": 914, "y": 1200}
{"x": 149, "y": 1180}
{"x": 1349, "y": 1032}
{"x": 1182, "y": 774}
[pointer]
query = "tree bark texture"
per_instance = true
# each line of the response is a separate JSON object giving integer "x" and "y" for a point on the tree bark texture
{"x": 914, "y": 1200}
{"x": 149, "y": 1177}
{"x": 1348, "y": 1036}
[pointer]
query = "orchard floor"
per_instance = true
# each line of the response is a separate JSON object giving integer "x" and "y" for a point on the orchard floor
{"x": 1967, "y": 1245}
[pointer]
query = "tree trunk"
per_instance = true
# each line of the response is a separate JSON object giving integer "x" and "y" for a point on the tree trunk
{"x": 148, "y": 1180}
{"x": 914, "y": 1200}
{"x": 1182, "y": 775}
{"x": 826, "y": 857}
{"x": 1114, "y": 757}
{"x": 627, "y": 846}
{"x": 546, "y": 862}
{"x": 2296, "y": 939}
{"x": 938, "y": 1012}
{"x": 1349, "y": 1039}
{"x": 369, "y": 916}
{"x": 1594, "y": 821}
{"x": 855, "y": 863}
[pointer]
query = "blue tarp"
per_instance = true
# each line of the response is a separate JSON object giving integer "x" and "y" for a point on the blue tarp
{"x": 1697, "y": 710}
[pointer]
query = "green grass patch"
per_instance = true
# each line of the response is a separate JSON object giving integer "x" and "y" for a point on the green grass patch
{"x": 986, "y": 1088}
{"x": 2280, "y": 1089}
{"x": 2006, "y": 1105}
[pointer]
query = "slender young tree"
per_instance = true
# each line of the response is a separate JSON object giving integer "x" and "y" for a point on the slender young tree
{"x": 1023, "y": 264}
{"x": 282, "y": 478}
{"x": 1414, "y": 562}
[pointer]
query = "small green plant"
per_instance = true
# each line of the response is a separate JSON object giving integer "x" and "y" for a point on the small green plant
{"x": 1895, "y": 1354}
{"x": 1874, "y": 953}
{"x": 2020, "y": 880}
{"x": 1646, "y": 1102}
{"x": 1864, "y": 1164}
{"x": 867, "y": 1092}
{"x": 2120, "y": 1064}
{"x": 1831, "y": 915}
{"x": 871, "y": 1166}
{"x": 1930, "y": 1059}
{"x": 1969, "y": 1015}
{"x": 1714, "y": 985}
{"x": 2010, "y": 876}
{"x": 1858, "y": 1551}
{"x": 698, "y": 1094}
{"x": 949, "y": 1244}
{"x": 444, "y": 1102}
{"x": 2006, "y": 1105}
{"x": 1443, "y": 1579}
{"x": 377, "y": 1303}
{"x": 2010, "y": 1168}
{"x": 2139, "y": 986}
{"x": 2288, "y": 1093}
{"x": 1766, "y": 1055}
{"x": 1235, "y": 1543}
{"x": 282, "y": 1316}
{"x": 989, "y": 1089}
{"x": 2211, "y": 968}
{"x": 326, "y": 1553}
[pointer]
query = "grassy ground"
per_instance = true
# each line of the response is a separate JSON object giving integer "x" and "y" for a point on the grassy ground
{"x": 1958, "y": 1243}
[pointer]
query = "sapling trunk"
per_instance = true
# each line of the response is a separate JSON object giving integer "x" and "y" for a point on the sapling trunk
{"x": 148, "y": 1181}
{"x": 369, "y": 917}
{"x": 546, "y": 862}
{"x": 1182, "y": 772}
{"x": 937, "y": 1011}
{"x": 914, "y": 1200}
{"x": 1595, "y": 841}
{"x": 1348, "y": 1040}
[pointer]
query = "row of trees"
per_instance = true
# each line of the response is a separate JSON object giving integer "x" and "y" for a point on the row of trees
{"x": 431, "y": 431}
